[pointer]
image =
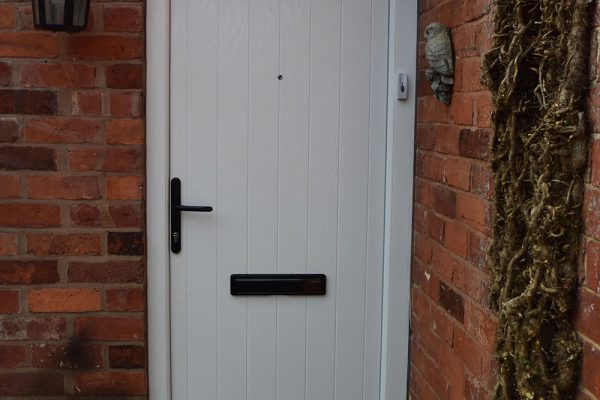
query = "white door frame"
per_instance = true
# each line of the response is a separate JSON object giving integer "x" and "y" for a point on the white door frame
{"x": 398, "y": 199}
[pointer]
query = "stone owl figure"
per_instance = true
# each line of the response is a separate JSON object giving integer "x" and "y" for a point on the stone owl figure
{"x": 438, "y": 52}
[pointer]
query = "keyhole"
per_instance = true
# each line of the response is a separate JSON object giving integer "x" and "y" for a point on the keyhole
{"x": 280, "y": 77}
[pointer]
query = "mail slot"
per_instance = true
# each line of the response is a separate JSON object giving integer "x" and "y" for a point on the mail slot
{"x": 278, "y": 284}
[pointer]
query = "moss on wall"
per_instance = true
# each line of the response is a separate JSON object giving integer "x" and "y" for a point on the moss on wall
{"x": 537, "y": 72}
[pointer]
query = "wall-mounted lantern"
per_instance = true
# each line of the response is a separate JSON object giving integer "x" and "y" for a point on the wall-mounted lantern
{"x": 61, "y": 15}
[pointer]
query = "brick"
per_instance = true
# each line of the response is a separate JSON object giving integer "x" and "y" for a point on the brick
{"x": 12, "y": 356}
{"x": 104, "y": 47}
{"x": 127, "y": 104}
{"x": 9, "y": 186}
{"x": 86, "y": 215}
{"x": 461, "y": 108}
{"x": 13, "y": 272}
{"x": 473, "y": 9}
{"x": 472, "y": 210}
{"x": 445, "y": 201}
{"x": 41, "y": 102}
{"x": 9, "y": 130}
{"x": 125, "y": 76}
{"x": 64, "y": 300}
{"x": 29, "y": 215}
{"x": 8, "y": 244}
{"x": 43, "y": 244}
{"x": 431, "y": 110}
{"x": 123, "y": 19}
{"x": 124, "y": 187}
{"x": 131, "y": 299}
{"x": 125, "y": 131}
{"x": 13, "y": 158}
{"x": 5, "y": 73}
{"x": 7, "y": 16}
{"x": 475, "y": 390}
{"x": 111, "y": 383}
{"x": 586, "y": 319}
{"x": 420, "y": 306}
{"x": 452, "y": 302}
{"x": 126, "y": 243}
{"x": 107, "y": 160}
{"x": 590, "y": 378}
{"x": 481, "y": 325}
{"x": 444, "y": 263}
{"x": 433, "y": 167}
{"x": 126, "y": 216}
{"x": 9, "y": 301}
{"x": 58, "y": 75}
{"x": 469, "y": 351}
{"x": 441, "y": 323}
{"x": 28, "y": 44}
{"x": 12, "y": 329}
{"x": 478, "y": 246}
{"x": 46, "y": 328}
{"x": 474, "y": 143}
{"x": 457, "y": 173}
{"x": 74, "y": 355}
{"x": 483, "y": 109}
{"x": 62, "y": 130}
{"x": 596, "y": 163}
{"x": 592, "y": 266}
{"x": 87, "y": 103}
{"x": 446, "y": 139}
{"x": 481, "y": 181}
{"x": 63, "y": 187}
{"x": 107, "y": 272}
{"x": 591, "y": 217}
{"x": 109, "y": 328}
{"x": 435, "y": 227}
{"x": 456, "y": 238}
{"x": 129, "y": 357}
{"x": 31, "y": 384}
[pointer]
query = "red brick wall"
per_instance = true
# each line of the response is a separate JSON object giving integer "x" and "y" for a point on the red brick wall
{"x": 453, "y": 329}
{"x": 71, "y": 212}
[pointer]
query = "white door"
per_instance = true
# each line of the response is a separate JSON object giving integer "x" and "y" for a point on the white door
{"x": 278, "y": 116}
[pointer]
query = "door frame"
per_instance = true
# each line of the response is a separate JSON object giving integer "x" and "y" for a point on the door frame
{"x": 402, "y": 57}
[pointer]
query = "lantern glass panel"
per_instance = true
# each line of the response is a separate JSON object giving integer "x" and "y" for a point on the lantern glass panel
{"x": 79, "y": 12}
{"x": 55, "y": 12}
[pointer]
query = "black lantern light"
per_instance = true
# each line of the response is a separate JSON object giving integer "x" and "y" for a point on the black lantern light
{"x": 61, "y": 15}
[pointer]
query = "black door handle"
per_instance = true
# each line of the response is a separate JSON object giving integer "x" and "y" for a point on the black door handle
{"x": 176, "y": 209}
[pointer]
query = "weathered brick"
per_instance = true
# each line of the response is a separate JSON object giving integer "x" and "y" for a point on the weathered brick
{"x": 7, "y": 16}
{"x": 28, "y": 215}
{"x": 111, "y": 383}
{"x": 8, "y": 244}
{"x": 13, "y": 272}
{"x": 474, "y": 143}
{"x": 31, "y": 384}
{"x": 107, "y": 272}
{"x": 129, "y": 357}
{"x": 125, "y": 76}
{"x": 64, "y": 300}
{"x": 74, "y": 355}
{"x": 123, "y": 19}
{"x": 126, "y": 216}
{"x": 86, "y": 215}
{"x": 28, "y": 101}
{"x": 445, "y": 201}
{"x": 9, "y": 301}
{"x": 9, "y": 186}
{"x": 126, "y": 243}
{"x": 87, "y": 103}
{"x": 104, "y": 47}
{"x": 109, "y": 328}
{"x": 44, "y": 244}
{"x": 127, "y": 104}
{"x": 62, "y": 130}
{"x": 5, "y": 73}
{"x": 46, "y": 328}
{"x": 124, "y": 187}
{"x": 9, "y": 130}
{"x": 14, "y": 158}
{"x": 456, "y": 238}
{"x": 28, "y": 44}
{"x": 12, "y": 356}
{"x": 130, "y": 299}
{"x": 63, "y": 187}
{"x": 452, "y": 302}
{"x": 58, "y": 75}
{"x": 125, "y": 131}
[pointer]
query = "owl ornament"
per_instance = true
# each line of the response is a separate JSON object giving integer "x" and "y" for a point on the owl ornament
{"x": 438, "y": 52}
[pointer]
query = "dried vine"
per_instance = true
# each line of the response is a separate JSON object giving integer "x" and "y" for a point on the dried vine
{"x": 537, "y": 72}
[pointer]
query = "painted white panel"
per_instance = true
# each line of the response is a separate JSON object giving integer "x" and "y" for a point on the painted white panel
{"x": 353, "y": 199}
{"x": 323, "y": 193}
{"x": 293, "y": 195}
{"x": 232, "y": 203}
{"x": 262, "y": 192}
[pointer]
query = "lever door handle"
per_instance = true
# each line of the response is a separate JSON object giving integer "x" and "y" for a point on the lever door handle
{"x": 176, "y": 209}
